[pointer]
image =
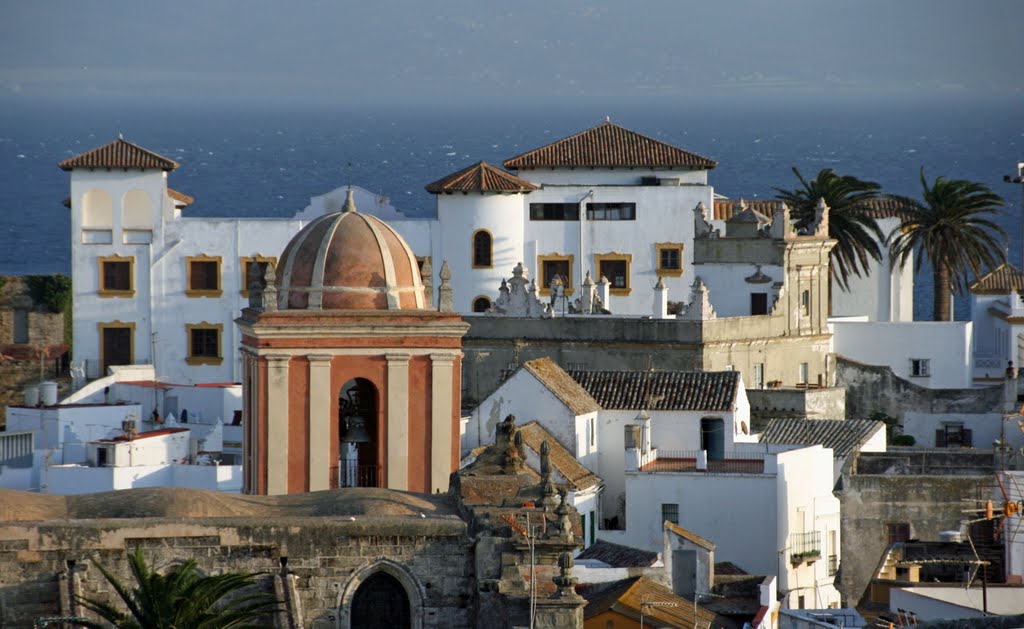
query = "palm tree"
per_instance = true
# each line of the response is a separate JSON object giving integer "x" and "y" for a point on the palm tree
{"x": 179, "y": 599}
{"x": 951, "y": 231}
{"x": 850, "y": 220}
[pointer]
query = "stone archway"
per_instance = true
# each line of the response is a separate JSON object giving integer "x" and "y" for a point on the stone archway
{"x": 360, "y": 604}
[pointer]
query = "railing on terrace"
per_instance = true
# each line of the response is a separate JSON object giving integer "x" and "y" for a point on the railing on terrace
{"x": 692, "y": 461}
{"x": 990, "y": 362}
{"x": 351, "y": 474}
{"x": 805, "y": 546}
{"x": 16, "y": 445}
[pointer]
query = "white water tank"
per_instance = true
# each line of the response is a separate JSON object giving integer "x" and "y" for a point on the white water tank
{"x": 31, "y": 394}
{"x": 48, "y": 393}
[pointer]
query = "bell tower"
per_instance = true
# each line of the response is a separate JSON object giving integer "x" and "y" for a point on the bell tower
{"x": 348, "y": 380}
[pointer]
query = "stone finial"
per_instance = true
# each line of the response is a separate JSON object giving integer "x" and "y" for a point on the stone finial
{"x": 350, "y": 202}
{"x": 565, "y": 581}
{"x": 820, "y": 226}
{"x": 427, "y": 275}
{"x": 269, "y": 289}
{"x": 444, "y": 291}
{"x": 661, "y": 300}
{"x": 255, "y": 286}
{"x": 604, "y": 291}
{"x": 700, "y": 308}
{"x": 587, "y": 295}
{"x": 701, "y": 225}
{"x": 564, "y": 521}
{"x": 505, "y": 440}
{"x": 517, "y": 297}
{"x": 547, "y": 486}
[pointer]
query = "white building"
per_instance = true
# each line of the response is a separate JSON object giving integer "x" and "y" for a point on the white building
{"x": 768, "y": 509}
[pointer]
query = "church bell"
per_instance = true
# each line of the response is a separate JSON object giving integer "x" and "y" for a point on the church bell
{"x": 355, "y": 429}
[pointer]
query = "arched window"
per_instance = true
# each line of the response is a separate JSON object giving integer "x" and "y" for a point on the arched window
{"x": 481, "y": 304}
{"x": 97, "y": 210}
{"x": 136, "y": 210}
{"x": 358, "y": 465}
{"x": 482, "y": 249}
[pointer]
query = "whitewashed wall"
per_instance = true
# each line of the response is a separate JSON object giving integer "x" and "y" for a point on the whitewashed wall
{"x": 885, "y": 293}
{"x": 946, "y": 345}
{"x": 76, "y": 479}
{"x": 728, "y": 289}
{"x": 525, "y": 397}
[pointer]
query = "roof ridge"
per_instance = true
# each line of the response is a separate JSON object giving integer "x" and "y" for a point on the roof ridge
{"x": 117, "y": 154}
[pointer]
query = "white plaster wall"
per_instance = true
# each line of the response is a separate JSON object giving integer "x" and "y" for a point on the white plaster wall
{"x": 76, "y": 479}
{"x": 985, "y": 427}
{"x": 610, "y": 176}
{"x": 65, "y": 430}
{"x": 728, "y": 289}
{"x": 884, "y": 293}
{"x": 947, "y": 346}
{"x": 927, "y": 604}
{"x": 735, "y": 511}
{"x": 459, "y": 217}
{"x": 525, "y": 397}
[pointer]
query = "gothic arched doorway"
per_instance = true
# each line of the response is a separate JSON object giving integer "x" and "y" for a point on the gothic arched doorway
{"x": 381, "y": 602}
{"x": 358, "y": 450}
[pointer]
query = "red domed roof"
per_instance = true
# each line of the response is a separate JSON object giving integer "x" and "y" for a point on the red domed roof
{"x": 349, "y": 261}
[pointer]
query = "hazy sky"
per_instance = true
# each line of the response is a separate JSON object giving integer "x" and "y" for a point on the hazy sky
{"x": 541, "y": 52}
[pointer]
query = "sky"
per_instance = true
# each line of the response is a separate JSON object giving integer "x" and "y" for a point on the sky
{"x": 539, "y": 52}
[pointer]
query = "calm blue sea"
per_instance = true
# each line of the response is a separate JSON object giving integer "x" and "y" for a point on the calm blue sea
{"x": 269, "y": 162}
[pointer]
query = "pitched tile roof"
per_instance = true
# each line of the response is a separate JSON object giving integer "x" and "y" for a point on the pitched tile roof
{"x": 661, "y": 390}
{"x": 609, "y": 146}
{"x": 119, "y": 154}
{"x": 1001, "y": 280}
{"x": 618, "y": 556}
{"x": 565, "y": 388}
{"x": 728, "y": 568}
{"x": 688, "y": 535}
{"x": 480, "y": 177}
{"x": 842, "y": 435}
{"x": 661, "y": 606}
{"x": 565, "y": 463}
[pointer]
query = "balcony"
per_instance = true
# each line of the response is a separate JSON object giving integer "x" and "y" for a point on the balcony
{"x": 698, "y": 461}
{"x": 805, "y": 547}
{"x": 351, "y": 474}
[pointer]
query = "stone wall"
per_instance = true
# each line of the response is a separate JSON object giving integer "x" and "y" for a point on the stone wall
{"x": 927, "y": 489}
{"x": 871, "y": 388}
{"x": 326, "y": 558}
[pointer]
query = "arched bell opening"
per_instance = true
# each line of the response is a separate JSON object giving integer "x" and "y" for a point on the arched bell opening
{"x": 358, "y": 448}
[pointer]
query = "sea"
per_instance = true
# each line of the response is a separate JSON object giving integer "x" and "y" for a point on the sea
{"x": 247, "y": 160}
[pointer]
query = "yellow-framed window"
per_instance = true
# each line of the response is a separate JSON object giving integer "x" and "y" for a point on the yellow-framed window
{"x": 202, "y": 276}
{"x": 116, "y": 276}
{"x": 669, "y": 257}
{"x": 204, "y": 343}
{"x": 549, "y": 266}
{"x": 616, "y": 267}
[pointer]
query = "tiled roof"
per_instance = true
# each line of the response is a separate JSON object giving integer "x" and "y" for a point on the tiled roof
{"x": 693, "y": 537}
{"x": 119, "y": 154}
{"x": 480, "y": 177}
{"x": 565, "y": 388}
{"x": 574, "y": 472}
{"x": 619, "y": 556}
{"x": 661, "y": 606}
{"x": 881, "y": 207}
{"x": 842, "y": 435}
{"x": 609, "y": 146}
{"x": 145, "y": 435}
{"x": 181, "y": 197}
{"x": 1001, "y": 280}
{"x": 661, "y": 390}
{"x": 728, "y": 568}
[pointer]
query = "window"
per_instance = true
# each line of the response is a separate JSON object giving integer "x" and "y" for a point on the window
{"x": 758, "y": 303}
{"x": 615, "y": 267}
{"x": 204, "y": 343}
{"x": 670, "y": 258}
{"x": 805, "y": 303}
{"x": 117, "y": 344}
{"x": 482, "y": 248}
{"x": 117, "y": 276}
{"x": 670, "y": 512}
{"x": 593, "y": 526}
{"x": 20, "y": 326}
{"x": 758, "y": 375}
{"x": 898, "y": 532}
{"x": 202, "y": 276}
{"x": 804, "y": 376}
{"x": 554, "y": 211}
{"x": 245, "y": 264}
{"x": 611, "y": 211}
{"x": 593, "y": 432}
{"x": 920, "y": 367}
{"x": 481, "y": 304}
{"x": 553, "y": 265}
{"x": 583, "y": 527}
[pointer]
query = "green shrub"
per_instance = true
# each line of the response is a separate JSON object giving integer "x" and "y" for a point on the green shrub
{"x": 53, "y": 291}
{"x": 903, "y": 440}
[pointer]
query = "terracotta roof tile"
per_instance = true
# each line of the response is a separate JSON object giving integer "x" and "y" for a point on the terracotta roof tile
{"x": 1001, "y": 280}
{"x": 565, "y": 463}
{"x": 609, "y": 146}
{"x": 565, "y": 388}
{"x": 119, "y": 154}
{"x": 618, "y": 556}
{"x": 480, "y": 177}
{"x": 181, "y": 197}
{"x": 661, "y": 390}
{"x": 661, "y": 606}
{"x": 688, "y": 535}
{"x": 842, "y": 435}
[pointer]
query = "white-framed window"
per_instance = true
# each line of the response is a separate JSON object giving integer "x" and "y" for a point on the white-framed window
{"x": 805, "y": 373}
{"x": 758, "y": 375}
{"x": 920, "y": 367}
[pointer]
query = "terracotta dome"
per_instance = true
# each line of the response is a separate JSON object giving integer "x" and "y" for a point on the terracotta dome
{"x": 349, "y": 261}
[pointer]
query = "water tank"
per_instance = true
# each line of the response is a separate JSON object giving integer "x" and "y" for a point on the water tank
{"x": 48, "y": 393}
{"x": 31, "y": 395}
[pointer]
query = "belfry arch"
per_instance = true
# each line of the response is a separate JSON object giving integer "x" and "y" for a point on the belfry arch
{"x": 359, "y": 434}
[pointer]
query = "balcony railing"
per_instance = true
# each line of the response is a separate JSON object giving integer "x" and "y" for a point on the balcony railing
{"x": 805, "y": 546}
{"x": 697, "y": 461}
{"x": 351, "y": 474}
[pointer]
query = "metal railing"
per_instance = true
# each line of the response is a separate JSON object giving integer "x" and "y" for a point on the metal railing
{"x": 687, "y": 461}
{"x": 16, "y": 445}
{"x": 351, "y": 474}
{"x": 805, "y": 545}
